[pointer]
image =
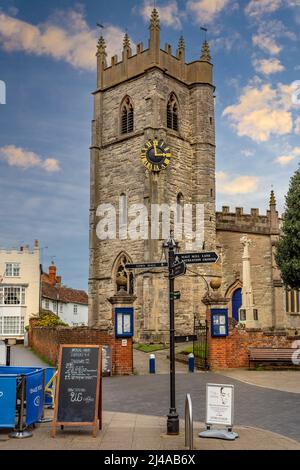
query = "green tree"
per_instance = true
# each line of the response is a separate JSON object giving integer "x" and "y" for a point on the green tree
{"x": 288, "y": 250}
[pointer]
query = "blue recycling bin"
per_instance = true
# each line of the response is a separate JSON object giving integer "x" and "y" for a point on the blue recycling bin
{"x": 21, "y": 388}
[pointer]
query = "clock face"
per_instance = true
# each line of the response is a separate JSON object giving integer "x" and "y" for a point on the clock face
{"x": 156, "y": 155}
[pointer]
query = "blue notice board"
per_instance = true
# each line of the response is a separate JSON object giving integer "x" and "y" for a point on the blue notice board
{"x": 124, "y": 322}
{"x": 8, "y": 398}
{"x": 219, "y": 323}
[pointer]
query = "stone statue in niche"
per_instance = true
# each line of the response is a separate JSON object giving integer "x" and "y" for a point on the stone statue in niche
{"x": 124, "y": 280}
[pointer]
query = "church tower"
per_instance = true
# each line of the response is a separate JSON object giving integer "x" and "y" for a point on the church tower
{"x": 150, "y": 103}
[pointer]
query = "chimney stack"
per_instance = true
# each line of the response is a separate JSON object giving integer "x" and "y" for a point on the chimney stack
{"x": 52, "y": 274}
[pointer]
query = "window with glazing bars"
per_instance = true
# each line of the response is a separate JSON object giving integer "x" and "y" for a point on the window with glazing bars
{"x": 127, "y": 117}
{"x": 172, "y": 113}
{"x": 10, "y": 295}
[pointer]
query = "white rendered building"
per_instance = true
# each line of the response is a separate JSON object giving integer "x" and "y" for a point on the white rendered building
{"x": 70, "y": 305}
{"x": 19, "y": 290}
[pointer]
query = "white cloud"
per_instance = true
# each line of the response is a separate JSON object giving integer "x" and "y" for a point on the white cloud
{"x": 247, "y": 153}
{"x": 67, "y": 36}
{"x": 267, "y": 43}
{"x": 268, "y": 66}
{"x": 268, "y": 35}
{"x": 258, "y": 8}
{"x": 169, "y": 14}
{"x": 284, "y": 160}
{"x": 297, "y": 126}
{"x": 205, "y": 11}
{"x": 240, "y": 185}
{"x": 262, "y": 111}
{"x": 21, "y": 158}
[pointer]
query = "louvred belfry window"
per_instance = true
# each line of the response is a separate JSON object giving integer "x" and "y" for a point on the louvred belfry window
{"x": 127, "y": 116}
{"x": 172, "y": 113}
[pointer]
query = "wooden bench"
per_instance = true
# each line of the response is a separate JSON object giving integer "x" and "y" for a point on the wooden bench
{"x": 275, "y": 356}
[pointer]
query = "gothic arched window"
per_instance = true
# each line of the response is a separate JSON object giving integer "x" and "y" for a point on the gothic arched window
{"x": 127, "y": 116}
{"x": 172, "y": 113}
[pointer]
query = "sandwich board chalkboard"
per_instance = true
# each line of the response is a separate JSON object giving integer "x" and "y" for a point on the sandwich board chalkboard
{"x": 79, "y": 387}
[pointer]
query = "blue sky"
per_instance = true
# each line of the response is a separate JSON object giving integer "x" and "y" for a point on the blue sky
{"x": 47, "y": 60}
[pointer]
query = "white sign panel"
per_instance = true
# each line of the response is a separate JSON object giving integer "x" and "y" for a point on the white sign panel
{"x": 2, "y": 353}
{"x": 219, "y": 404}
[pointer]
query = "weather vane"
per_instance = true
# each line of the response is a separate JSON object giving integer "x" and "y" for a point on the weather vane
{"x": 100, "y": 26}
{"x": 205, "y": 32}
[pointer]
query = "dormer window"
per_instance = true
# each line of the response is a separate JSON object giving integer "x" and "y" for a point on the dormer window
{"x": 172, "y": 113}
{"x": 127, "y": 116}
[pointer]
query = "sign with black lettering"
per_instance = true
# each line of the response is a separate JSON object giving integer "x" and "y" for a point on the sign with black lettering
{"x": 78, "y": 391}
{"x": 197, "y": 258}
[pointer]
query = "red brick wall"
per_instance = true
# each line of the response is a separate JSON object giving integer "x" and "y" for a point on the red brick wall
{"x": 46, "y": 341}
{"x": 233, "y": 351}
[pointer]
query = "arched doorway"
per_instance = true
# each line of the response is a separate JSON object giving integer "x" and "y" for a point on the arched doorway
{"x": 236, "y": 303}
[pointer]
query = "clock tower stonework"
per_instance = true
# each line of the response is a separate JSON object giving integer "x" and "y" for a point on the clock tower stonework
{"x": 152, "y": 95}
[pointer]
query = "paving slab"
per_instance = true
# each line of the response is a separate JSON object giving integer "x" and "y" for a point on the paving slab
{"x": 21, "y": 356}
{"x": 128, "y": 434}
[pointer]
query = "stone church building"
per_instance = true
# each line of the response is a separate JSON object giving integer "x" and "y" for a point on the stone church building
{"x": 153, "y": 142}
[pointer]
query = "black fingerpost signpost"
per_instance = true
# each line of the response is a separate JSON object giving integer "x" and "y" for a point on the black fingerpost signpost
{"x": 78, "y": 400}
{"x": 177, "y": 267}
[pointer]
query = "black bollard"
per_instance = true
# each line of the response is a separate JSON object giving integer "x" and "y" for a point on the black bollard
{"x": 21, "y": 432}
{"x": 8, "y": 355}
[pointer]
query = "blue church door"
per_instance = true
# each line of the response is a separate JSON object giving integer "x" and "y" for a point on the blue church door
{"x": 236, "y": 303}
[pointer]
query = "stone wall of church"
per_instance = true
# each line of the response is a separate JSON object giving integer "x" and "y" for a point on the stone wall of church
{"x": 116, "y": 169}
{"x": 261, "y": 269}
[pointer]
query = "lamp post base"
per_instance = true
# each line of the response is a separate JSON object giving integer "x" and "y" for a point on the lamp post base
{"x": 173, "y": 424}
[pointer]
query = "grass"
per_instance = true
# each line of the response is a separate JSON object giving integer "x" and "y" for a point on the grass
{"x": 199, "y": 351}
{"x": 149, "y": 348}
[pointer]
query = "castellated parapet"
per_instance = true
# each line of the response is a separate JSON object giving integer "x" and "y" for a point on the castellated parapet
{"x": 254, "y": 222}
{"x": 132, "y": 65}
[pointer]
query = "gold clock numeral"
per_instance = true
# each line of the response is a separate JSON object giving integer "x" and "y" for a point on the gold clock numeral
{"x": 149, "y": 145}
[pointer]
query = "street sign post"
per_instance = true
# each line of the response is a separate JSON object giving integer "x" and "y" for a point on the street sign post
{"x": 178, "y": 269}
{"x": 176, "y": 264}
{"x": 146, "y": 265}
{"x": 197, "y": 258}
{"x": 175, "y": 296}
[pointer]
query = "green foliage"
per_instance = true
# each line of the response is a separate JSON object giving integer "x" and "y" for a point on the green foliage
{"x": 49, "y": 320}
{"x": 149, "y": 348}
{"x": 288, "y": 250}
{"x": 199, "y": 350}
